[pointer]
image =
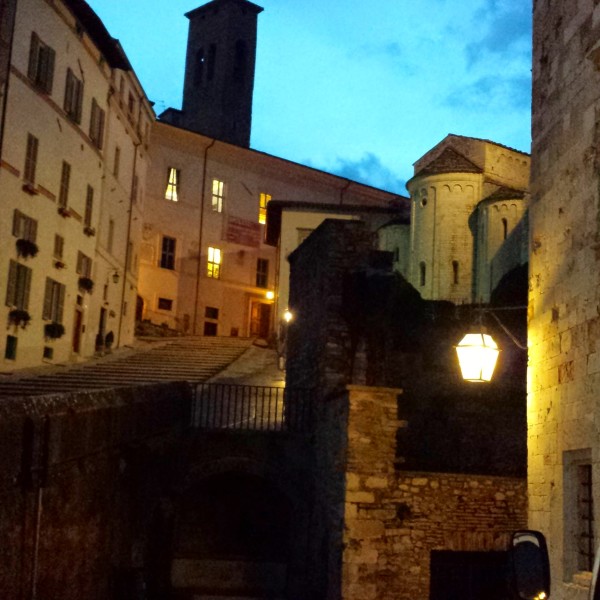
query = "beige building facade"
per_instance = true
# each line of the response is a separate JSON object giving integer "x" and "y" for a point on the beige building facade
{"x": 564, "y": 299}
{"x": 74, "y": 154}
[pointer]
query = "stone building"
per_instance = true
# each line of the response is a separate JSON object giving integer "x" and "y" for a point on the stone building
{"x": 74, "y": 145}
{"x": 564, "y": 371}
{"x": 467, "y": 197}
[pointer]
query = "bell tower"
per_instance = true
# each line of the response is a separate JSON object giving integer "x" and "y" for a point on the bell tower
{"x": 219, "y": 70}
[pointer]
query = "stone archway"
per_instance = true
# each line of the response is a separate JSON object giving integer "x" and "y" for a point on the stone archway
{"x": 232, "y": 538}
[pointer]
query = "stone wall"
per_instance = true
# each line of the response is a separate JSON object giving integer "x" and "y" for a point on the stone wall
{"x": 394, "y": 519}
{"x": 564, "y": 326}
{"x": 80, "y": 479}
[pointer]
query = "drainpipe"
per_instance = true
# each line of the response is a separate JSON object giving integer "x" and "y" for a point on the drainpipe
{"x": 127, "y": 247}
{"x": 343, "y": 190}
{"x": 200, "y": 229}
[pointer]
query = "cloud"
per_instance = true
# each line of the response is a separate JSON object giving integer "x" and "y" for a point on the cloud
{"x": 369, "y": 170}
{"x": 491, "y": 91}
{"x": 506, "y": 24}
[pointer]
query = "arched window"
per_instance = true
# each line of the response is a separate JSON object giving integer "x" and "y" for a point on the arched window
{"x": 504, "y": 228}
{"x": 454, "y": 272}
{"x": 422, "y": 274}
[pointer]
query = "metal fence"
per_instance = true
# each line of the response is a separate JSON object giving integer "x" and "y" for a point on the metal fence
{"x": 253, "y": 408}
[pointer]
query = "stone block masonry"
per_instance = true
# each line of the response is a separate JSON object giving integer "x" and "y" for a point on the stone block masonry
{"x": 394, "y": 519}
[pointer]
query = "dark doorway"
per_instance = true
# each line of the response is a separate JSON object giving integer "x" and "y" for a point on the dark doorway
{"x": 468, "y": 575}
{"x": 260, "y": 319}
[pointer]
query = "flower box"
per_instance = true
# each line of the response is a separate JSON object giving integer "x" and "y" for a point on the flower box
{"x": 86, "y": 284}
{"x": 26, "y": 248}
{"x": 19, "y": 317}
{"x": 54, "y": 330}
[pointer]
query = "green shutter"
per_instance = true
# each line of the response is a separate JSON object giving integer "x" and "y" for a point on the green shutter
{"x": 61, "y": 303}
{"x": 11, "y": 283}
{"x": 47, "y": 310}
{"x": 26, "y": 287}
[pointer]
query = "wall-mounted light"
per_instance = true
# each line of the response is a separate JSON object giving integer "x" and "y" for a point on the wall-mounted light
{"x": 288, "y": 315}
{"x": 269, "y": 295}
{"x": 116, "y": 277}
{"x": 477, "y": 356}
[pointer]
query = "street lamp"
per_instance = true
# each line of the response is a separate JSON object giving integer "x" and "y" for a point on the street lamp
{"x": 287, "y": 315}
{"x": 477, "y": 357}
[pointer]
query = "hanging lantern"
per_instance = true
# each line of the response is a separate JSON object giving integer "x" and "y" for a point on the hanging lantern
{"x": 477, "y": 356}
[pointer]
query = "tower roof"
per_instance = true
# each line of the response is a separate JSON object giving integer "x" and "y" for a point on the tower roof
{"x": 449, "y": 161}
{"x": 217, "y": 3}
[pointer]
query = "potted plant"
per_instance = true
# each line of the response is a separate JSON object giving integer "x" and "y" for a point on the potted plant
{"x": 19, "y": 317}
{"x": 89, "y": 231}
{"x": 26, "y": 248}
{"x": 86, "y": 284}
{"x": 54, "y": 330}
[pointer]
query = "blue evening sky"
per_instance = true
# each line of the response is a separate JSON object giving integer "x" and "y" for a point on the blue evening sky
{"x": 358, "y": 88}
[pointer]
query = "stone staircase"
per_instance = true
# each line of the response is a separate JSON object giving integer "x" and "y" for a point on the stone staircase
{"x": 181, "y": 359}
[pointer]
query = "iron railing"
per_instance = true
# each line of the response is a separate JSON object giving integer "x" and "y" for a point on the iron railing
{"x": 253, "y": 408}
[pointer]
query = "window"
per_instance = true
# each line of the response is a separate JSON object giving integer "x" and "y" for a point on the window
{"x": 59, "y": 244}
{"x": 210, "y": 312}
{"x": 167, "y": 254}
{"x": 262, "y": 273}
{"x": 579, "y": 543}
{"x": 585, "y": 518}
{"x": 504, "y": 228}
{"x": 165, "y": 304}
{"x": 110, "y": 237}
{"x": 212, "y": 58}
{"x": 10, "y": 350}
{"x": 214, "y": 263}
{"x": 30, "y": 159}
{"x": 89, "y": 206}
{"x": 73, "y": 97}
{"x": 24, "y": 227}
{"x": 19, "y": 282}
{"x": 264, "y": 199}
{"x": 218, "y": 188}
{"x": 96, "y": 124}
{"x": 41, "y": 64}
{"x": 117, "y": 161}
{"x": 54, "y": 299}
{"x": 454, "y": 272}
{"x": 65, "y": 178}
{"x": 84, "y": 265}
{"x": 199, "y": 71}
{"x": 172, "y": 183}
{"x": 210, "y": 328}
{"x": 422, "y": 274}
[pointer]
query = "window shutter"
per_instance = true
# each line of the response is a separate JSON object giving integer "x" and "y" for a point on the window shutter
{"x": 49, "y": 71}
{"x": 100, "y": 127}
{"x": 32, "y": 233}
{"x": 16, "y": 223}
{"x": 11, "y": 284}
{"x": 68, "y": 104}
{"x": 78, "y": 99}
{"x": 33, "y": 56}
{"x": 47, "y": 311}
{"x": 61, "y": 303}
{"x": 26, "y": 287}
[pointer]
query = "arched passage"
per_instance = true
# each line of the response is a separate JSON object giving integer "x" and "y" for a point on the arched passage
{"x": 232, "y": 538}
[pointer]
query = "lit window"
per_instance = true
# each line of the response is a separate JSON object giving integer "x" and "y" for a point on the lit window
{"x": 422, "y": 274}
{"x": 30, "y": 159}
{"x": 73, "y": 97}
{"x": 41, "y": 64}
{"x": 167, "y": 254}
{"x": 96, "y": 124}
{"x": 172, "y": 184}
{"x": 262, "y": 273}
{"x": 89, "y": 206}
{"x": 214, "y": 263}
{"x": 262, "y": 208}
{"x": 24, "y": 227}
{"x": 218, "y": 189}
{"x": 54, "y": 299}
{"x": 19, "y": 282}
